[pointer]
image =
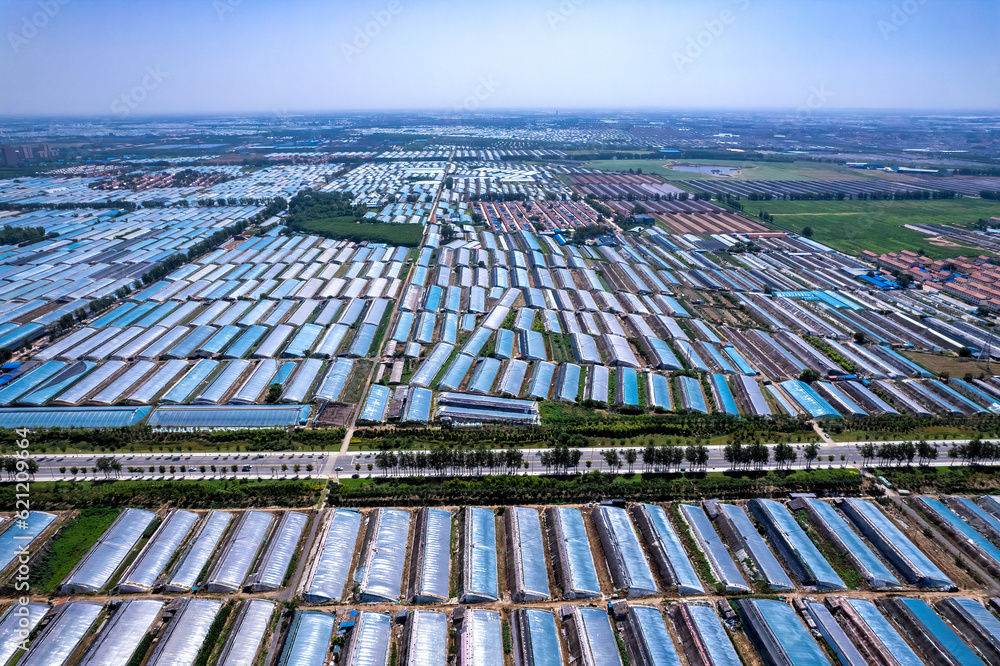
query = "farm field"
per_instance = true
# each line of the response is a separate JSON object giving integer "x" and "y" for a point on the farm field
{"x": 407, "y": 235}
{"x": 801, "y": 170}
{"x": 854, "y": 226}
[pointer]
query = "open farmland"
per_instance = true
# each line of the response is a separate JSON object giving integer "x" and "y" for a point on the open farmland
{"x": 854, "y": 226}
{"x": 406, "y": 235}
{"x": 802, "y": 170}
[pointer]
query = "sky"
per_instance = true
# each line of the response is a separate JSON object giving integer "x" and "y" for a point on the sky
{"x": 154, "y": 57}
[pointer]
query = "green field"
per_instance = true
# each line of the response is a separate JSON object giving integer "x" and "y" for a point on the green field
{"x": 408, "y": 235}
{"x": 801, "y": 170}
{"x": 853, "y": 226}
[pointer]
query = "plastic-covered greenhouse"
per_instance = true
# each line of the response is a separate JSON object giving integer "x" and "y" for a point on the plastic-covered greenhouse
{"x": 326, "y": 577}
{"x": 123, "y": 633}
{"x": 624, "y": 555}
{"x": 182, "y": 639}
{"x": 425, "y": 639}
{"x": 199, "y": 552}
{"x": 240, "y": 552}
{"x": 247, "y": 634}
{"x": 526, "y": 555}
{"x": 479, "y": 573}
{"x": 158, "y": 551}
{"x": 431, "y": 568}
{"x": 368, "y": 643}
{"x": 383, "y": 559}
{"x": 20, "y": 535}
{"x": 308, "y": 639}
{"x": 277, "y": 557}
{"x": 61, "y": 636}
{"x": 13, "y": 623}
{"x": 667, "y": 549}
{"x": 94, "y": 571}
{"x": 480, "y": 640}
{"x": 575, "y": 568}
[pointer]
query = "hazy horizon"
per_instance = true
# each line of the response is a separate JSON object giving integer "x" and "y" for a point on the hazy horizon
{"x": 70, "y": 58}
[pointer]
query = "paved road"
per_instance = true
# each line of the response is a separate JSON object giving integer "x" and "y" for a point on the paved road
{"x": 332, "y": 464}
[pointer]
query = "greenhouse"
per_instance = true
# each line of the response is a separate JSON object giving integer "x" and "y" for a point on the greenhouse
{"x": 699, "y": 626}
{"x": 335, "y": 379}
{"x": 794, "y": 545}
{"x": 331, "y": 341}
{"x": 148, "y": 390}
{"x": 432, "y": 365}
{"x": 274, "y": 563}
{"x": 847, "y": 542}
{"x": 383, "y": 556}
{"x": 535, "y": 638}
{"x": 779, "y": 635}
{"x": 874, "y": 629}
{"x": 122, "y": 635}
{"x": 512, "y": 378}
{"x": 158, "y": 551}
{"x": 568, "y": 383}
{"x": 647, "y": 638}
{"x": 541, "y": 380}
{"x": 20, "y": 535}
{"x": 298, "y": 390}
{"x": 181, "y": 641}
{"x": 480, "y": 640}
{"x": 624, "y": 554}
{"x": 431, "y": 573}
{"x": 186, "y": 575}
{"x": 658, "y": 391}
{"x": 224, "y": 382}
{"x": 259, "y": 380}
{"x": 893, "y": 545}
{"x": 455, "y": 374}
{"x": 592, "y": 638}
{"x": 376, "y": 405}
{"x": 326, "y": 575}
{"x": 479, "y": 561}
{"x": 932, "y": 635}
{"x": 627, "y": 387}
{"x": 239, "y": 553}
{"x": 744, "y": 536}
{"x": 425, "y": 639}
{"x": 575, "y": 568}
{"x": 61, "y": 636}
{"x": 94, "y": 571}
{"x": 368, "y": 641}
{"x": 667, "y": 549}
{"x": 529, "y": 579}
{"x": 230, "y": 417}
{"x": 12, "y": 624}
{"x": 483, "y": 377}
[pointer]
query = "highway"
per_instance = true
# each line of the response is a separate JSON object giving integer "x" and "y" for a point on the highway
{"x": 330, "y": 464}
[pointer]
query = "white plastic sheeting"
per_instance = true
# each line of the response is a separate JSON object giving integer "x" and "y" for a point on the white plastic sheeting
{"x": 157, "y": 552}
{"x": 182, "y": 640}
{"x": 185, "y": 576}
{"x": 327, "y": 576}
{"x": 247, "y": 633}
{"x": 274, "y": 564}
{"x": 123, "y": 633}
{"x": 240, "y": 552}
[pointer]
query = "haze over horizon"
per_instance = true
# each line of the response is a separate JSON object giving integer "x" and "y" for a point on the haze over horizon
{"x": 116, "y": 58}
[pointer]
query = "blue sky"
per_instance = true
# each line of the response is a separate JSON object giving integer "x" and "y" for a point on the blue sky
{"x": 216, "y": 56}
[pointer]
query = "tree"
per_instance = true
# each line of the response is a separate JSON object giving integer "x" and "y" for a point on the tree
{"x": 808, "y": 376}
{"x": 810, "y": 452}
{"x": 630, "y": 458}
{"x": 612, "y": 459}
{"x": 273, "y": 394}
{"x": 807, "y": 232}
{"x": 784, "y": 454}
{"x": 447, "y": 233}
